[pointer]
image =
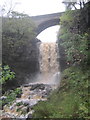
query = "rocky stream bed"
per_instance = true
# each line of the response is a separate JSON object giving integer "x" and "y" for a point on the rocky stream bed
{"x": 23, "y": 107}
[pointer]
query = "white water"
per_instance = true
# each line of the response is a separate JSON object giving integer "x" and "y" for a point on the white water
{"x": 49, "y": 66}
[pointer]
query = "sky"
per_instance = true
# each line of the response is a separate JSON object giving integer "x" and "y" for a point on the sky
{"x": 49, "y": 35}
{"x": 37, "y": 7}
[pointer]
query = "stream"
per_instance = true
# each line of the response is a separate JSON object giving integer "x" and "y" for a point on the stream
{"x": 31, "y": 95}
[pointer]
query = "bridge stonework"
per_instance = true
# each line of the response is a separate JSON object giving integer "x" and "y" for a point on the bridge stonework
{"x": 44, "y": 21}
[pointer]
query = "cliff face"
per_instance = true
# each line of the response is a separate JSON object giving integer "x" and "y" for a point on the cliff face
{"x": 28, "y": 61}
{"x": 24, "y": 65}
{"x": 62, "y": 59}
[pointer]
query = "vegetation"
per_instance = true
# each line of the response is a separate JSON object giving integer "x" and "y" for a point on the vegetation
{"x": 6, "y": 74}
{"x": 72, "y": 4}
{"x": 71, "y": 99}
{"x": 74, "y": 41}
{"x": 16, "y": 36}
{"x": 18, "y": 32}
{"x": 10, "y": 96}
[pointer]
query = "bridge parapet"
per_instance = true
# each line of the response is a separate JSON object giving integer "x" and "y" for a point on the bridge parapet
{"x": 42, "y": 18}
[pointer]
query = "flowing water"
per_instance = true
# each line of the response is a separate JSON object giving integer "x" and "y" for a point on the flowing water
{"x": 45, "y": 82}
{"x": 48, "y": 58}
{"x": 49, "y": 65}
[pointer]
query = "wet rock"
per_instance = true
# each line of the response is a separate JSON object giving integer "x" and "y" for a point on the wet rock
{"x": 3, "y": 98}
{"x": 11, "y": 107}
{"x": 33, "y": 102}
{"x": 7, "y": 116}
{"x": 21, "y": 117}
{"x": 26, "y": 85}
{"x": 33, "y": 93}
{"x": 20, "y": 107}
{"x": 23, "y": 101}
{"x": 19, "y": 95}
{"x": 26, "y": 102}
{"x": 44, "y": 94}
{"x": 24, "y": 110}
{"x": 48, "y": 89}
{"x": 37, "y": 86}
{"x": 29, "y": 114}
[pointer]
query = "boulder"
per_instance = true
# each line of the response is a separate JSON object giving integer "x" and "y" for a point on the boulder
{"x": 37, "y": 86}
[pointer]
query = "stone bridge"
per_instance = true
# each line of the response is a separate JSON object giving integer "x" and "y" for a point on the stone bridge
{"x": 44, "y": 21}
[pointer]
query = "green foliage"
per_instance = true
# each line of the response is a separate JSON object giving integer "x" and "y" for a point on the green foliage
{"x": 67, "y": 19}
{"x": 11, "y": 96}
{"x": 74, "y": 43}
{"x": 18, "y": 91}
{"x": 6, "y": 74}
{"x": 70, "y": 100}
{"x": 15, "y": 14}
{"x": 19, "y": 104}
{"x": 76, "y": 47}
{"x": 16, "y": 37}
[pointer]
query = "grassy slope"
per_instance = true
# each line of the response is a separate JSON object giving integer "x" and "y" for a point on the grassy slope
{"x": 70, "y": 100}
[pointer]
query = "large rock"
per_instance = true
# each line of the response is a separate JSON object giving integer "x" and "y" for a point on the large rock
{"x": 37, "y": 86}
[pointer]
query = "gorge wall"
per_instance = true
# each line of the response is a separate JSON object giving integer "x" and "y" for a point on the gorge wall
{"x": 26, "y": 64}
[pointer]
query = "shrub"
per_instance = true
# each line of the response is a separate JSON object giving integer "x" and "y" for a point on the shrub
{"x": 6, "y": 74}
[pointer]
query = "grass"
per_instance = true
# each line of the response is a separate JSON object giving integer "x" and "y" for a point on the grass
{"x": 70, "y": 100}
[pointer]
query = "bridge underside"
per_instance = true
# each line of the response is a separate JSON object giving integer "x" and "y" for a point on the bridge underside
{"x": 47, "y": 24}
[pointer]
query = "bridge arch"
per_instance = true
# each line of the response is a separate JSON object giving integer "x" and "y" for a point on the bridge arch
{"x": 46, "y": 24}
{"x": 44, "y": 21}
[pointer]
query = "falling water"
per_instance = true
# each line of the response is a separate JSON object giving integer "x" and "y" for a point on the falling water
{"x": 48, "y": 58}
{"x": 49, "y": 66}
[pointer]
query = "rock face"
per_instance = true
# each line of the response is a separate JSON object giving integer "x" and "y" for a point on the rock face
{"x": 23, "y": 107}
{"x": 29, "y": 62}
{"x": 62, "y": 58}
{"x": 26, "y": 64}
{"x": 29, "y": 59}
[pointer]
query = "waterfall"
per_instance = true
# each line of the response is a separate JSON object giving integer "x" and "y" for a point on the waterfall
{"x": 49, "y": 65}
{"x": 48, "y": 58}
